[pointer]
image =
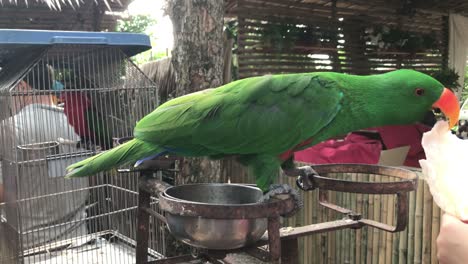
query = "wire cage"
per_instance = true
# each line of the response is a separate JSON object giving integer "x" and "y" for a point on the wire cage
{"x": 66, "y": 96}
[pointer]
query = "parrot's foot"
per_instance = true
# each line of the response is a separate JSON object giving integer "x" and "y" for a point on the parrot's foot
{"x": 278, "y": 191}
{"x": 301, "y": 171}
{"x": 304, "y": 175}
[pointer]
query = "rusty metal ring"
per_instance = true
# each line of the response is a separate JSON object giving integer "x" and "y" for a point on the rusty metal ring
{"x": 408, "y": 182}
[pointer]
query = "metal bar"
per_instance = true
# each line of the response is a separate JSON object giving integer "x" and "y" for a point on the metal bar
{"x": 294, "y": 232}
{"x": 363, "y": 187}
{"x": 142, "y": 234}
{"x": 155, "y": 214}
{"x": 274, "y": 241}
{"x": 402, "y": 212}
{"x": 323, "y": 200}
{"x": 401, "y": 219}
{"x": 407, "y": 182}
{"x": 172, "y": 260}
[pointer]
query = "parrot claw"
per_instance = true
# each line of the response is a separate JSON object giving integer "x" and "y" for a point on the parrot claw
{"x": 304, "y": 175}
{"x": 277, "y": 190}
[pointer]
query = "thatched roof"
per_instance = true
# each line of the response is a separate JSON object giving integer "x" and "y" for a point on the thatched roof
{"x": 88, "y": 15}
{"x": 58, "y": 4}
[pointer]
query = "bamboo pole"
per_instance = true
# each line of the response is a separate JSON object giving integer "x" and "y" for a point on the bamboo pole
{"x": 346, "y": 244}
{"x": 389, "y": 251}
{"x": 395, "y": 248}
{"x": 394, "y": 236}
{"x": 364, "y": 231}
{"x": 384, "y": 214}
{"x": 411, "y": 227}
{"x": 324, "y": 236}
{"x": 340, "y": 236}
{"x": 302, "y": 221}
{"x": 312, "y": 219}
{"x": 427, "y": 224}
{"x": 403, "y": 243}
{"x": 358, "y": 232}
{"x": 352, "y": 232}
{"x": 331, "y": 235}
{"x": 435, "y": 231}
{"x": 418, "y": 224}
{"x": 370, "y": 231}
{"x": 376, "y": 232}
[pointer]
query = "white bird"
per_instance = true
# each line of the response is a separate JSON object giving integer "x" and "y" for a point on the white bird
{"x": 444, "y": 169}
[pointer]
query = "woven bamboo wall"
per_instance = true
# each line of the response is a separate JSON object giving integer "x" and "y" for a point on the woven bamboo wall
{"x": 286, "y": 37}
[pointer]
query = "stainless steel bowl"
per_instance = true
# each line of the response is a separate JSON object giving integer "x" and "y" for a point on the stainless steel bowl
{"x": 211, "y": 233}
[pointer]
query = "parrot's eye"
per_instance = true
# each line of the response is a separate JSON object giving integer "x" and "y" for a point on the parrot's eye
{"x": 419, "y": 91}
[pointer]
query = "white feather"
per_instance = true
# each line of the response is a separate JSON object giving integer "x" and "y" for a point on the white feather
{"x": 445, "y": 169}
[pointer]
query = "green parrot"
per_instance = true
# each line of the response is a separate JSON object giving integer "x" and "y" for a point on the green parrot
{"x": 263, "y": 120}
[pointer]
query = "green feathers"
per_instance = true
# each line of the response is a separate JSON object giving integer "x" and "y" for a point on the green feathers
{"x": 127, "y": 153}
{"x": 260, "y": 118}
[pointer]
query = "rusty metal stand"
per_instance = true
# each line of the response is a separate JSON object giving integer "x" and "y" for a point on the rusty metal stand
{"x": 142, "y": 234}
{"x": 283, "y": 242}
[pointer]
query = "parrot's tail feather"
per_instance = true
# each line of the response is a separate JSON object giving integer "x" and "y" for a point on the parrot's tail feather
{"x": 126, "y": 153}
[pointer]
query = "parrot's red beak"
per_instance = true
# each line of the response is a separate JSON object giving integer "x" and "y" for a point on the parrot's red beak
{"x": 448, "y": 104}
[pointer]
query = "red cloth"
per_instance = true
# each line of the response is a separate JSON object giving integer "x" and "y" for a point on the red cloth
{"x": 398, "y": 136}
{"x": 363, "y": 150}
{"x": 353, "y": 149}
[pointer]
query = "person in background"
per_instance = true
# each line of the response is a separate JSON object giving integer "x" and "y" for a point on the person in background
{"x": 452, "y": 242}
{"x": 36, "y": 120}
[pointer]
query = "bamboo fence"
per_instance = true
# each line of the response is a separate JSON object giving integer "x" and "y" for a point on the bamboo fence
{"x": 334, "y": 40}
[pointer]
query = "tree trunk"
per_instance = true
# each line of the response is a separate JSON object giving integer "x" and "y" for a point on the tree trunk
{"x": 197, "y": 59}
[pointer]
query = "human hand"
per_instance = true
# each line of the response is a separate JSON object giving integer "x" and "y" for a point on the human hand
{"x": 452, "y": 242}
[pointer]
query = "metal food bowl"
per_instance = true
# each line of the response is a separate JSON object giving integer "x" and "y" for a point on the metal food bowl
{"x": 211, "y": 232}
